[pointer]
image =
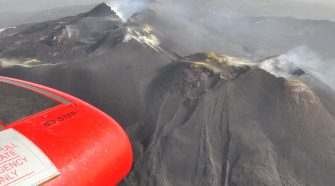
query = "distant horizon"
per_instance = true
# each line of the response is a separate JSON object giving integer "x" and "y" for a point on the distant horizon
{"x": 319, "y": 1}
{"x": 33, "y": 5}
{"x": 11, "y": 10}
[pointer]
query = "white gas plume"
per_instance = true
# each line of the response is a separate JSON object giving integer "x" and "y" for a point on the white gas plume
{"x": 144, "y": 34}
{"x": 126, "y": 8}
{"x": 4, "y": 29}
{"x": 301, "y": 58}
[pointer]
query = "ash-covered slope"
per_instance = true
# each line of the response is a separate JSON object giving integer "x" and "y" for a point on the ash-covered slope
{"x": 92, "y": 33}
{"x": 94, "y": 56}
{"x": 115, "y": 81}
{"x": 212, "y": 123}
{"x": 203, "y": 119}
{"x": 66, "y": 39}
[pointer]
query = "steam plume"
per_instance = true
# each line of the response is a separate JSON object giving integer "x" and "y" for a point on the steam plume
{"x": 301, "y": 58}
{"x": 126, "y": 8}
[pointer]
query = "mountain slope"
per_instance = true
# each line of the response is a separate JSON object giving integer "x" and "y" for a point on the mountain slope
{"x": 202, "y": 119}
{"x": 65, "y": 39}
{"x": 114, "y": 82}
{"x": 204, "y": 128}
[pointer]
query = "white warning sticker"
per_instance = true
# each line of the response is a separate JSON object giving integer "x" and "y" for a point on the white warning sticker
{"x": 22, "y": 162}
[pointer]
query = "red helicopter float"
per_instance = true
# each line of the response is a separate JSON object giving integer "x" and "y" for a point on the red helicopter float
{"x": 50, "y": 138}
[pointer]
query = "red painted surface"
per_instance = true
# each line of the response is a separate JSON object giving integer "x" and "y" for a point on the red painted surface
{"x": 87, "y": 146}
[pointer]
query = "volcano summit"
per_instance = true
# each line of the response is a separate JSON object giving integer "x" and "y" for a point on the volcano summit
{"x": 194, "y": 118}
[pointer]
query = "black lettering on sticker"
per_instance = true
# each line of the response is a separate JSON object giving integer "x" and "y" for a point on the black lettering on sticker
{"x": 59, "y": 119}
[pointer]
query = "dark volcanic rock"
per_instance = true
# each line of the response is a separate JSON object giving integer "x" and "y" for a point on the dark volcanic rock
{"x": 198, "y": 120}
{"x": 115, "y": 81}
{"x": 253, "y": 130}
{"x": 102, "y": 10}
{"x": 192, "y": 125}
{"x": 67, "y": 39}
